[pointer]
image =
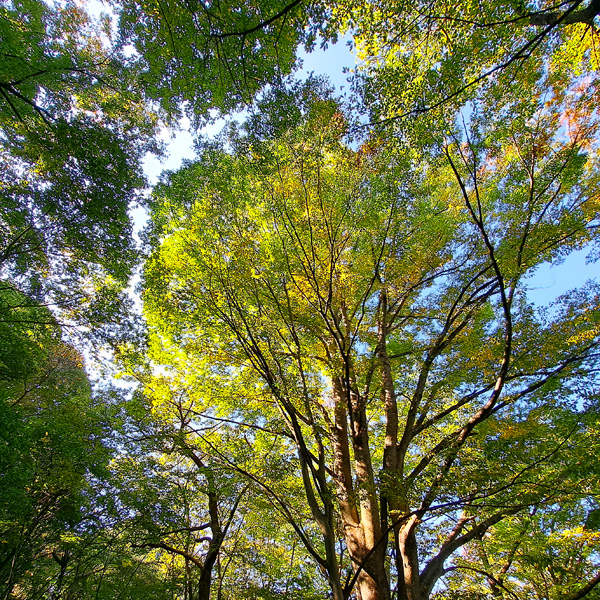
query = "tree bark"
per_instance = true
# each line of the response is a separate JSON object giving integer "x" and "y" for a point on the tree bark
{"x": 358, "y": 507}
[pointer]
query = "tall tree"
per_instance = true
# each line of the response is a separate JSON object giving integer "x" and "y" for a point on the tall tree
{"x": 199, "y": 484}
{"x": 197, "y": 57}
{"x": 178, "y": 501}
{"x": 373, "y": 302}
{"x": 50, "y": 431}
{"x": 428, "y": 59}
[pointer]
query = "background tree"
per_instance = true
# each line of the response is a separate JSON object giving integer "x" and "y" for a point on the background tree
{"x": 196, "y": 57}
{"x": 430, "y": 59}
{"x": 210, "y": 482}
{"x": 51, "y": 430}
{"x": 74, "y": 131}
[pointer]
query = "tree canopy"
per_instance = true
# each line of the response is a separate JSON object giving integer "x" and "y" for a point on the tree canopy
{"x": 374, "y": 300}
{"x": 340, "y": 386}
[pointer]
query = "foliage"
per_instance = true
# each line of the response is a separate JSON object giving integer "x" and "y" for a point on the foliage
{"x": 369, "y": 304}
{"x": 197, "y": 57}
{"x": 345, "y": 389}
{"x": 432, "y": 58}
{"x": 191, "y": 503}
{"x": 50, "y": 434}
{"x": 73, "y": 133}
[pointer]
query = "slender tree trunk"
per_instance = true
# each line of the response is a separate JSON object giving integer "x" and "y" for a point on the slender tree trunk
{"x": 315, "y": 483}
{"x": 406, "y": 543}
{"x": 393, "y": 493}
{"x": 204, "y": 584}
{"x": 325, "y": 519}
{"x": 333, "y": 571}
{"x": 62, "y": 562}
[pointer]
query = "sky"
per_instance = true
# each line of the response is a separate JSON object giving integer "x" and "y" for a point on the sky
{"x": 550, "y": 280}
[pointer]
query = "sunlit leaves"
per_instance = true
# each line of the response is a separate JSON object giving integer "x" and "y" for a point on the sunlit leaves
{"x": 279, "y": 258}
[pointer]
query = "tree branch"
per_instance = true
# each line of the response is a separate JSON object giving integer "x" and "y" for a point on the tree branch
{"x": 261, "y": 25}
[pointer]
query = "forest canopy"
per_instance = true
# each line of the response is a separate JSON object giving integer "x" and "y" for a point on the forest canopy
{"x": 338, "y": 384}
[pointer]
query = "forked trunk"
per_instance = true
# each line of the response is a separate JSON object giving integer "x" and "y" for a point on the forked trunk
{"x": 358, "y": 507}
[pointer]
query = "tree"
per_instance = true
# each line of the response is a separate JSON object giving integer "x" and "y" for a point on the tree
{"x": 74, "y": 131}
{"x": 199, "y": 57}
{"x": 423, "y": 58}
{"x": 371, "y": 304}
{"x": 50, "y": 433}
{"x": 204, "y": 508}
{"x": 341, "y": 327}
{"x": 184, "y": 508}
{"x": 547, "y": 555}
{"x": 429, "y": 59}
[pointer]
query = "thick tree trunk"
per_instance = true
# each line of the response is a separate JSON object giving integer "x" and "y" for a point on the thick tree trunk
{"x": 358, "y": 507}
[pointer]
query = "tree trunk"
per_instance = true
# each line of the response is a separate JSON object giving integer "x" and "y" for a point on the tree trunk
{"x": 204, "y": 583}
{"x": 408, "y": 561}
{"x": 392, "y": 491}
{"x": 358, "y": 508}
